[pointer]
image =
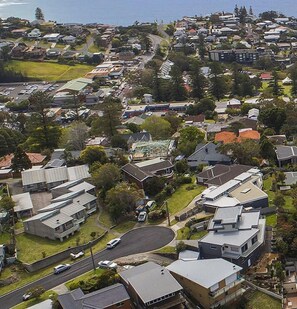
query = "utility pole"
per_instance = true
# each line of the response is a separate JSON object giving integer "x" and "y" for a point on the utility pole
{"x": 92, "y": 256}
{"x": 167, "y": 212}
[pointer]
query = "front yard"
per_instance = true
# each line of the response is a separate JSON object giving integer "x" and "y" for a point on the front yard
{"x": 181, "y": 198}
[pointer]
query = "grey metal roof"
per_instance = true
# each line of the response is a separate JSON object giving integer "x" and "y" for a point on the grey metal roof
{"x": 286, "y": 152}
{"x": 78, "y": 172}
{"x": 82, "y": 186}
{"x": 151, "y": 281}
{"x": 54, "y": 163}
{"x": 23, "y": 202}
{"x": 57, "y": 220}
{"x": 135, "y": 172}
{"x": 103, "y": 298}
{"x": 291, "y": 178}
{"x": 228, "y": 215}
{"x": 72, "y": 209}
{"x": 84, "y": 199}
{"x": 56, "y": 174}
{"x": 206, "y": 273}
{"x": 33, "y": 176}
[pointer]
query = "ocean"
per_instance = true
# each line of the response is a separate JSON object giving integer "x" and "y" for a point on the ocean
{"x": 126, "y": 12}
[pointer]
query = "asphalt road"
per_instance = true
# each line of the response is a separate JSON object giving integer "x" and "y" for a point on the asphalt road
{"x": 136, "y": 241}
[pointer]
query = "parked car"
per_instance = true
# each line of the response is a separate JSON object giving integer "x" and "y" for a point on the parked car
{"x": 112, "y": 243}
{"x": 75, "y": 256}
{"x": 150, "y": 205}
{"x": 60, "y": 268}
{"x": 27, "y": 296}
{"x": 108, "y": 264}
{"x": 141, "y": 216}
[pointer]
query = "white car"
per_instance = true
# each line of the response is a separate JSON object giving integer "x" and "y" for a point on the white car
{"x": 75, "y": 256}
{"x": 141, "y": 216}
{"x": 108, "y": 264}
{"x": 60, "y": 268}
{"x": 114, "y": 242}
{"x": 27, "y": 296}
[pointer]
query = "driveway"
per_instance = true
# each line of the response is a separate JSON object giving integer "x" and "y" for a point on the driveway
{"x": 136, "y": 241}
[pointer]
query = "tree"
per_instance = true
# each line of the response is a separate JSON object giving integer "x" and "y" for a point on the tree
{"x": 106, "y": 177}
{"x": 293, "y": 76}
{"x": 279, "y": 200}
{"x": 110, "y": 119}
{"x": 198, "y": 82}
{"x": 158, "y": 127}
{"x": 20, "y": 161}
{"x": 218, "y": 85}
{"x": 44, "y": 133}
{"x": 189, "y": 138}
{"x": 181, "y": 167}
{"x": 122, "y": 199}
{"x": 154, "y": 185}
{"x": 267, "y": 149}
{"x": 75, "y": 136}
{"x": 178, "y": 92}
{"x": 277, "y": 90}
{"x": 280, "y": 176}
{"x": 118, "y": 141}
{"x": 242, "y": 153}
{"x": 39, "y": 14}
{"x": 93, "y": 154}
{"x": 7, "y": 203}
{"x": 273, "y": 117}
{"x": 3, "y": 146}
{"x": 36, "y": 292}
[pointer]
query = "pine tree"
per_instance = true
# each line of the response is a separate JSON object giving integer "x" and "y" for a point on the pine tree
{"x": 20, "y": 160}
{"x": 251, "y": 11}
{"x": 39, "y": 14}
{"x": 236, "y": 10}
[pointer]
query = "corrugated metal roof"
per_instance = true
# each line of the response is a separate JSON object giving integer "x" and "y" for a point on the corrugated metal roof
{"x": 78, "y": 172}
{"x": 33, "y": 176}
{"x": 23, "y": 202}
{"x": 56, "y": 174}
{"x": 57, "y": 220}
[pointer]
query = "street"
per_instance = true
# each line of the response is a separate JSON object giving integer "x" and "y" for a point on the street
{"x": 136, "y": 241}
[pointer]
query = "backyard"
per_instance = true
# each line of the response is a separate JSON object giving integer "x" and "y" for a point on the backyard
{"x": 49, "y": 71}
{"x": 259, "y": 300}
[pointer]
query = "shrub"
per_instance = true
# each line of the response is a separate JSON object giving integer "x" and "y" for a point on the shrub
{"x": 181, "y": 246}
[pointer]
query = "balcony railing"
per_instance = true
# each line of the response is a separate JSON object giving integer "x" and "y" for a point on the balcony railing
{"x": 67, "y": 232}
{"x": 226, "y": 288}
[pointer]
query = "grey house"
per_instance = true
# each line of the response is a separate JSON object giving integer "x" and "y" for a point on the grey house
{"x": 52, "y": 224}
{"x": 234, "y": 235}
{"x": 207, "y": 153}
{"x": 111, "y": 297}
{"x": 286, "y": 155}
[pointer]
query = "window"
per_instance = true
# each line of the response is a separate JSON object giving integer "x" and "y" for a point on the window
{"x": 254, "y": 239}
{"x": 244, "y": 248}
{"x": 234, "y": 249}
{"x": 120, "y": 304}
{"x": 213, "y": 247}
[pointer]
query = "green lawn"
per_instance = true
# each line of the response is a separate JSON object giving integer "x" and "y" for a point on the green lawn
{"x": 271, "y": 220}
{"x": 184, "y": 233}
{"x": 31, "y": 302}
{"x": 167, "y": 249}
{"x": 262, "y": 301}
{"x": 85, "y": 277}
{"x": 104, "y": 219}
{"x": 30, "y": 247}
{"x": 49, "y": 71}
{"x": 124, "y": 227}
{"x": 182, "y": 197}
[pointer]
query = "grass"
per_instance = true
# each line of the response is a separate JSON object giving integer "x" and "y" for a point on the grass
{"x": 22, "y": 277}
{"x": 271, "y": 220}
{"x": 185, "y": 234}
{"x": 262, "y": 301}
{"x": 85, "y": 277}
{"x": 104, "y": 219}
{"x": 30, "y": 247}
{"x": 31, "y": 302}
{"x": 167, "y": 249}
{"x": 124, "y": 227}
{"x": 182, "y": 197}
{"x": 49, "y": 71}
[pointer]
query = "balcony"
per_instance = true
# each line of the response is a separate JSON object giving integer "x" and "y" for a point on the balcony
{"x": 61, "y": 235}
{"x": 229, "y": 298}
{"x": 217, "y": 293}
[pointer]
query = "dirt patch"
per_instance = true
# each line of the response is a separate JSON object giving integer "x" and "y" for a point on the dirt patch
{"x": 141, "y": 258}
{"x": 261, "y": 266}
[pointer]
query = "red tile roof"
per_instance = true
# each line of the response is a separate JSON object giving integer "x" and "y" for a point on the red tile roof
{"x": 35, "y": 158}
{"x": 225, "y": 137}
{"x": 249, "y": 134}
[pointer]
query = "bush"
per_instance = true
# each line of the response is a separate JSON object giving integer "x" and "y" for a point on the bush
{"x": 181, "y": 246}
{"x": 157, "y": 214}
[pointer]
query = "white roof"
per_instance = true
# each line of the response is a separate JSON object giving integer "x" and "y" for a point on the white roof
{"x": 56, "y": 174}
{"x": 33, "y": 176}
{"x": 23, "y": 202}
{"x": 224, "y": 201}
{"x": 236, "y": 238}
{"x": 82, "y": 186}
{"x": 206, "y": 273}
{"x": 78, "y": 172}
{"x": 222, "y": 189}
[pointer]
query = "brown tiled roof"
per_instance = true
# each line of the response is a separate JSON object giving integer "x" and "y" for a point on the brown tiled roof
{"x": 135, "y": 172}
{"x": 249, "y": 134}
{"x": 225, "y": 137}
{"x": 35, "y": 158}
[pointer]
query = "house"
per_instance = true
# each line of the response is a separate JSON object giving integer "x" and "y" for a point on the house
{"x": 253, "y": 113}
{"x": 286, "y": 155}
{"x": 234, "y": 235}
{"x": 244, "y": 189}
{"x": 207, "y": 153}
{"x": 136, "y": 137}
{"x": 34, "y": 34}
{"x": 212, "y": 283}
{"x": 246, "y": 56}
{"x": 225, "y": 137}
{"x": 219, "y": 174}
{"x": 23, "y": 205}
{"x": 111, "y": 297}
{"x": 73, "y": 186}
{"x": 140, "y": 172}
{"x": 278, "y": 139}
{"x": 245, "y": 134}
{"x": 52, "y": 224}
{"x": 76, "y": 85}
{"x": 52, "y": 37}
{"x": 40, "y": 179}
{"x": 291, "y": 178}
{"x": 69, "y": 39}
{"x": 97, "y": 141}
{"x": 151, "y": 149}
{"x": 152, "y": 286}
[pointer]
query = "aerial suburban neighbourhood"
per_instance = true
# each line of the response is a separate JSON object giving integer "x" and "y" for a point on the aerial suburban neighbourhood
{"x": 151, "y": 165}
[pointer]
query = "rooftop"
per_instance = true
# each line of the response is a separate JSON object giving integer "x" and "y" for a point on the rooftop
{"x": 206, "y": 273}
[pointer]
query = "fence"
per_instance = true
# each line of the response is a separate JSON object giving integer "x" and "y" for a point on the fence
{"x": 47, "y": 261}
{"x": 188, "y": 214}
{"x": 272, "y": 294}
